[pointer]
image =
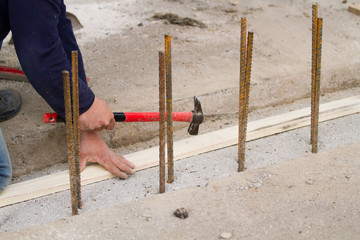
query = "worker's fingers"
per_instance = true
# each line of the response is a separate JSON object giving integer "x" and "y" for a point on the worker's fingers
{"x": 111, "y": 167}
{"x": 114, "y": 170}
{"x": 107, "y": 124}
{"x": 125, "y": 161}
{"x": 122, "y": 164}
{"x": 105, "y": 161}
{"x": 94, "y": 149}
{"x": 97, "y": 117}
{"x": 111, "y": 124}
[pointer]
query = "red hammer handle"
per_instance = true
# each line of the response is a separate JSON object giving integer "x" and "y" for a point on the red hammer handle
{"x": 195, "y": 117}
{"x": 154, "y": 116}
{"x": 130, "y": 117}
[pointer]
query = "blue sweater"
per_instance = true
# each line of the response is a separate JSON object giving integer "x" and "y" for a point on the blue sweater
{"x": 43, "y": 39}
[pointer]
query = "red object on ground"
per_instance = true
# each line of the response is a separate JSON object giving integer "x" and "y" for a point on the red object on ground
{"x": 49, "y": 117}
{"x": 154, "y": 116}
{"x": 130, "y": 117}
{"x": 10, "y": 70}
{"x": 12, "y": 74}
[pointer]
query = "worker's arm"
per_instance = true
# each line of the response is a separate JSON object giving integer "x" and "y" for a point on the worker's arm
{"x": 43, "y": 40}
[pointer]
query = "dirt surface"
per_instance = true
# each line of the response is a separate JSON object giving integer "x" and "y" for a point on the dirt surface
{"x": 314, "y": 197}
{"x": 120, "y": 43}
{"x": 195, "y": 171}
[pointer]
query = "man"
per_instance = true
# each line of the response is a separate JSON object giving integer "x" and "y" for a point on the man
{"x": 43, "y": 40}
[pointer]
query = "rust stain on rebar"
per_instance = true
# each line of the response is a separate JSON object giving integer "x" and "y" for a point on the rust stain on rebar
{"x": 242, "y": 96}
{"x": 75, "y": 108}
{"x": 248, "y": 78}
{"x": 247, "y": 96}
{"x": 162, "y": 127}
{"x": 70, "y": 140}
{"x": 315, "y": 136}
{"x": 169, "y": 110}
{"x": 313, "y": 65}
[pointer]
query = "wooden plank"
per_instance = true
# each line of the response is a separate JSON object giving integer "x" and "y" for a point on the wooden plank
{"x": 58, "y": 182}
{"x": 354, "y": 9}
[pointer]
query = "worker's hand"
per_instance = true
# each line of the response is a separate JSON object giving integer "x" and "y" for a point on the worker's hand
{"x": 94, "y": 149}
{"x": 97, "y": 117}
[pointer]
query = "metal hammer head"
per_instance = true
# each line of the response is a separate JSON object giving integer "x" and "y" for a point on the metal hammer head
{"x": 198, "y": 118}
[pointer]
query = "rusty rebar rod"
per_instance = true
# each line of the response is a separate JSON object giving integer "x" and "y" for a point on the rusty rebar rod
{"x": 70, "y": 141}
{"x": 162, "y": 127}
{"x": 242, "y": 100}
{"x": 313, "y": 65}
{"x": 315, "y": 136}
{"x": 170, "y": 133}
{"x": 247, "y": 80}
{"x": 75, "y": 109}
{"x": 247, "y": 97}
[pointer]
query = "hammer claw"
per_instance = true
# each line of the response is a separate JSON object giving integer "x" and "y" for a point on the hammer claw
{"x": 198, "y": 118}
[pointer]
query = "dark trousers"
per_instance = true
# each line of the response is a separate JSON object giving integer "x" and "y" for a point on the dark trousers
{"x": 43, "y": 40}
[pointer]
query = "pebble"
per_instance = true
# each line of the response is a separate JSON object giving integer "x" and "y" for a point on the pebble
{"x": 310, "y": 181}
{"x": 181, "y": 213}
{"x": 257, "y": 185}
{"x": 226, "y": 235}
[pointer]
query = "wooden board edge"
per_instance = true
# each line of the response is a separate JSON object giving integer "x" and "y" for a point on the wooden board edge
{"x": 354, "y": 9}
{"x": 14, "y": 77}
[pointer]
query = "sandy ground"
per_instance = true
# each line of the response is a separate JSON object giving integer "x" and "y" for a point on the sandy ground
{"x": 120, "y": 43}
{"x": 314, "y": 197}
{"x": 196, "y": 171}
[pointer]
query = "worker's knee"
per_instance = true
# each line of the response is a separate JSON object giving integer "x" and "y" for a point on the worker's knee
{"x": 5, "y": 164}
{"x": 4, "y": 182}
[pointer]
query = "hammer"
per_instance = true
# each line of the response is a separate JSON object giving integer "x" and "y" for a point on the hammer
{"x": 195, "y": 117}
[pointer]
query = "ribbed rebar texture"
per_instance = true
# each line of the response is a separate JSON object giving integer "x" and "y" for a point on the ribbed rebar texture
{"x": 75, "y": 109}
{"x": 313, "y": 65}
{"x": 162, "y": 125}
{"x": 247, "y": 92}
{"x": 70, "y": 141}
{"x": 315, "y": 127}
{"x": 242, "y": 96}
{"x": 170, "y": 133}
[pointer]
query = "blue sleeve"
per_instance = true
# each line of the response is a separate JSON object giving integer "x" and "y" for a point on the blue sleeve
{"x": 43, "y": 40}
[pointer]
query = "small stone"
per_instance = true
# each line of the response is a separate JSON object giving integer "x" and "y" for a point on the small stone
{"x": 181, "y": 213}
{"x": 257, "y": 184}
{"x": 226, "y": 235}
{"x": 310, "y": 181}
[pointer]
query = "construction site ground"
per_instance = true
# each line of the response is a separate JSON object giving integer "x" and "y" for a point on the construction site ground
{"x": 307, "y": 196}
{"x": 313, "y": 197}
